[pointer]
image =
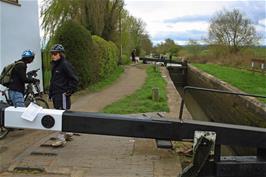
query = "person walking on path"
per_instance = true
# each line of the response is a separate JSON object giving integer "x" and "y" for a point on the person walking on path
{"x": 19, "y": 78}
{"x": 63, "y": 84}
{"x": 133, "y": 55}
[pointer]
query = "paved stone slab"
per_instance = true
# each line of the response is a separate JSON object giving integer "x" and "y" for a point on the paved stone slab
{"x": 7, "y": 174}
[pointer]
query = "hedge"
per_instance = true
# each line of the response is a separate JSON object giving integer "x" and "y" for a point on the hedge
{"x": 79, "y": 49}
{"x": 106, "y": 58}
{"x": 92, "y": 57}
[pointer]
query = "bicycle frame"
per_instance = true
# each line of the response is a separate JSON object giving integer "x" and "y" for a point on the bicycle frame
{"x": 3, "y": 93}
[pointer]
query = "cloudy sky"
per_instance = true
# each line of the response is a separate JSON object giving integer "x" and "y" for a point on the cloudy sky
{"x": 184, "y": 20}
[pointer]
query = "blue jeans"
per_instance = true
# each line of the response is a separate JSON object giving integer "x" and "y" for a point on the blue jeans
{"x": 17, "y": 98}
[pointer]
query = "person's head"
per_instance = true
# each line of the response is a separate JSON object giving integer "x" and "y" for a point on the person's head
{"x": 57, "y": 51}
{"x": 28, "y": 56}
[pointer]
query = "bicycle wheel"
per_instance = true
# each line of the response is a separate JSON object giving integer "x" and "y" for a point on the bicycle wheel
{"x": 41, "y": 102}
{"x": 3, "y": 132}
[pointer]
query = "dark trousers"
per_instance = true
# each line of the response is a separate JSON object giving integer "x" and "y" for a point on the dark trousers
{"x": 61, "y": 101}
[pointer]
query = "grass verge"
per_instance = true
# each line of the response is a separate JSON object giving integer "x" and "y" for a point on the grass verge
{"x": 247, "y": 81}
{"x": 141, "y": 101}
{"x": 106, "y": 81}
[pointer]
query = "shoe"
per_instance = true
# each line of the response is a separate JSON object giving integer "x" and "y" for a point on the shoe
{"x": 59, "y": 143}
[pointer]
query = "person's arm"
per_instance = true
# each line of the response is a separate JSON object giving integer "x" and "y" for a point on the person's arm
{"x": 21, "y": 72}
{"x": 72, "y": 78}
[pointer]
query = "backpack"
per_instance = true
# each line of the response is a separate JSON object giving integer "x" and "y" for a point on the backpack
{"x": 5, "y": 77}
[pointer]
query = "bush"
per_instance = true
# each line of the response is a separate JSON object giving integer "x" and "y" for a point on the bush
{"x": 105, "y": 58}
{"x": 113, "y": 58}
{"x": 78, "y": 45}
{"x": 125, "y": 60}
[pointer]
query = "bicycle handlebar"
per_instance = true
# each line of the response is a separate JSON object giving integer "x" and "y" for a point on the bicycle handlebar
{"x": 33, "y": 73}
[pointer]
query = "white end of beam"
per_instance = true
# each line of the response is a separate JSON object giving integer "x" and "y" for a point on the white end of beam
{"x": 13, "y": 119}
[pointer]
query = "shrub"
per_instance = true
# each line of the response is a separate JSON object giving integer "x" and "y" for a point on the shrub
{"x": 78, "y": 45}
{"x": 125, "y": 60}
{"x": 113, "y": 57}
{"x": 105, "y": 58}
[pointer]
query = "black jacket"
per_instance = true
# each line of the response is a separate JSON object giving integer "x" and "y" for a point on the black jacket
{"x": 63, "y": 78}
{"x": 19, "y": 78}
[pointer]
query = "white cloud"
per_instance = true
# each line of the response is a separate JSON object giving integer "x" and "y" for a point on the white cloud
{"x": 160, "y": 15}
{"x": 263, "y": 23}
{"x": 155, "y": 28}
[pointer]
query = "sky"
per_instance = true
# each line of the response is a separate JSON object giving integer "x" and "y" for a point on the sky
{"x": 184, "y": 20}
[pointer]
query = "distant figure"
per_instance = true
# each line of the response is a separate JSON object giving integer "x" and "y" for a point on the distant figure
{"x": 133, "y": 55}
{"x": 162, "y": 58}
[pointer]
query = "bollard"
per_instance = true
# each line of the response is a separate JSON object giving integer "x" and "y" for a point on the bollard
{"x": 156, "y": 67}
{"x": 155, "y": 94}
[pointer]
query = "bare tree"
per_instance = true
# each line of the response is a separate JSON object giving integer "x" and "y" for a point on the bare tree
{"x": 232, "y": 29}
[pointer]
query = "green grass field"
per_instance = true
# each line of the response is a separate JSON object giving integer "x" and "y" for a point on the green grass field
{"x": 247, "y": 81}
{"x": 260, "y": 52}
{"x": 141, "y": 101}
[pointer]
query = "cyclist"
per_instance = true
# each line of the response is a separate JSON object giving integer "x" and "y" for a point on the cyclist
{"x": 63, "y": 84}
{"x": 19, "y": 78}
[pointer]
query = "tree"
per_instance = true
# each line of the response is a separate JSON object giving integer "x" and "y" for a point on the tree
{"x": 105, "y": 18}
{"x": 98, "y": 16}
{"x": 232, "y": 29}
{"x": 111, "y": 19}
{"x": 132, "y": 36}
{"x": 193, "y": 47}
{"x": 168, "y": 46}
{"x": 146, "y": 44}
{"x": 55, "y": 13}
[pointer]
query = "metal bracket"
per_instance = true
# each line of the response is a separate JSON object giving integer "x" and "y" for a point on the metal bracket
{"x": 200, "y": 157}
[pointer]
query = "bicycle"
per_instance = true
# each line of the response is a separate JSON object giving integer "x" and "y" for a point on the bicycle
{"x": 30, "y": 96}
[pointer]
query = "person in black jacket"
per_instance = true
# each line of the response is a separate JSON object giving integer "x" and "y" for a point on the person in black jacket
{"x": 63, "y": 84}
{"x": 19, "y": 78}
{"x": 133, "y": 55}
{"x": 64, "y": 81}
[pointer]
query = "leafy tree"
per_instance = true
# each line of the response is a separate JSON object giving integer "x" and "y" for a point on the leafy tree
{"x": 146, "y": 44}
{"x": 105, "y": 18}
{"x": 111, "y": 18}
{"x": 132, "y": 34}
{"x": 98, "y": 16}
{"x": 168, "y": 47}
{"x": 232, "y": 29}
{"x": 93, "y": 17}
{"x": 193, "y": 47}
{"x": 55, "y": 13}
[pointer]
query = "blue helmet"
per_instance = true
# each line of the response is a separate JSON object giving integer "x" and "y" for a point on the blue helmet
{"x": 57, "y": 48}
{"x": 28, "y": 54}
